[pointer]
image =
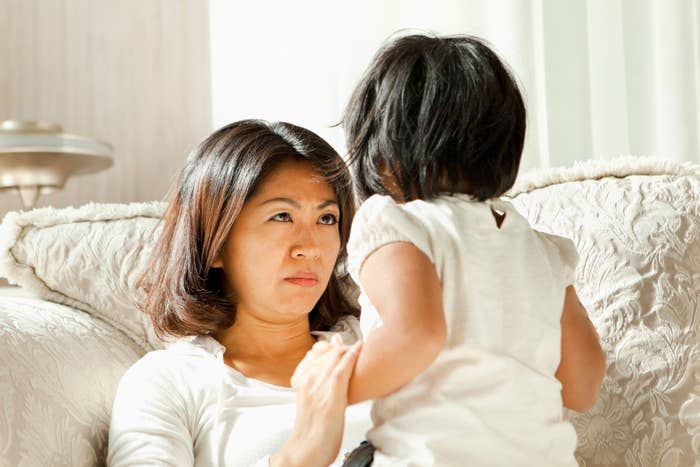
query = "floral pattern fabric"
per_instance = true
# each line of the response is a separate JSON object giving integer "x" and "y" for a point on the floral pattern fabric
{"x": 638, "y": 239}
{"x": 59, "y": 370}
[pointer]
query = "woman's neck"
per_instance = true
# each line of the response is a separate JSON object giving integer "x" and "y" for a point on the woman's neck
{"x": 263, "y": 350}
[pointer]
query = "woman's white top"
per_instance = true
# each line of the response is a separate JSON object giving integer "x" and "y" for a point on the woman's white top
{"x": 490, "y": 398}
{"x": 183, "y": 406}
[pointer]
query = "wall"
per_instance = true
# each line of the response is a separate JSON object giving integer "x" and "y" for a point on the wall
{"x": 601, "y": 78}
{"x": 130, "y": 72}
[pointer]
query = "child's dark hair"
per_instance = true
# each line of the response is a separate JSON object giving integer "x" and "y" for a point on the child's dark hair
{"x": 439, "y": 114}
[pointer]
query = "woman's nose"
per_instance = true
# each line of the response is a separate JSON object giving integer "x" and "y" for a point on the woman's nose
{"x": 306, "y": 252}
{"x": 306, "y": 248}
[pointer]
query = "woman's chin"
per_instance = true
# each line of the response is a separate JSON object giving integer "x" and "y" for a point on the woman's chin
{"x": 298, "y": 304}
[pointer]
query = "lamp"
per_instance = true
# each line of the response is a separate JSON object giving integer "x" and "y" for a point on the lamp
{"x": 37, "y": 157}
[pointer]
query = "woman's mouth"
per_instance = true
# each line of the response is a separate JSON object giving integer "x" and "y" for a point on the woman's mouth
{"x": 303, "y": 279}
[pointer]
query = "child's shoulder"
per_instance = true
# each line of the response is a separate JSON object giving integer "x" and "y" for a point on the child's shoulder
{"x": 385, "y": 204}
{"x": 565, "y": 251}
{"x": 561, "y": 245}
{"x": 381, "y": 209}
{"x": 377, "y": 202}
{"x": 381, "y": 221}
{"x": 382, "y": 215}
{"x": 381, "y": 212}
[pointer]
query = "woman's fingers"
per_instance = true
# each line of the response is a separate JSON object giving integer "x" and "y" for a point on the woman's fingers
{"x": 325, "y": 360}
{"x": 328, "y": 360}
{"x": 320, "y": 346}
{"x": 336, "y": 339}
{"x": 323, "y": 346}
{"x": 346, "y": 365}
{"x": 321, "y": 382}
{"x": 318, "y": 362}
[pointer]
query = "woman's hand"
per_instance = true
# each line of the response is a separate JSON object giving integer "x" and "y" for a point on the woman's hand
{"x": 321, "y": 380}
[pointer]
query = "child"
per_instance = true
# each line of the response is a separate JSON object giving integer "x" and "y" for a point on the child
{"x": 469, "y": 353}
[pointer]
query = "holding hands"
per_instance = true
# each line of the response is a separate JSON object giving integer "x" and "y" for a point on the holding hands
{"x": 321, "y": 381}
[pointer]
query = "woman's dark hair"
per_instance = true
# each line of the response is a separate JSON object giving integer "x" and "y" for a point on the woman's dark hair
{"x": 184, "y": 294}
{"x": 439, "y": 114}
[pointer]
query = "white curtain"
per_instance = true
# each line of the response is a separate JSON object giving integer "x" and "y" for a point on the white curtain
{"x": 601, "y": 78}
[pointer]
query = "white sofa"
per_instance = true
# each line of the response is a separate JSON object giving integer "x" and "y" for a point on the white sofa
{"x": 636, "y": 224}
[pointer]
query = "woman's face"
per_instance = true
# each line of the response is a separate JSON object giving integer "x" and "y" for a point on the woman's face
{"x": 282, "y": 249}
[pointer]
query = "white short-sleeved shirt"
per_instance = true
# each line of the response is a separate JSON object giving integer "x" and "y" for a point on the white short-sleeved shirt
{"x": 490, "y": 398}
{"x": 183, "y": 406}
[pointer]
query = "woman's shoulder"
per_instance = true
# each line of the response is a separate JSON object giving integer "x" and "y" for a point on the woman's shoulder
{"x": 156, "y": 404}
{"x": 156, "y": 370}
{"x": 166, "y": 380}
{"x": 179, "y": 360}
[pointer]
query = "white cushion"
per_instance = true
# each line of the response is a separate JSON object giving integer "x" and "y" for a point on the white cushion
{"x": 636, "y": 225}
{"x": 59, "y": 370}
{"x": 88, "y": 258}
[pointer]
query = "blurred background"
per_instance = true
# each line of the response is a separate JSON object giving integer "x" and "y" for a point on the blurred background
{"x": 601, "y": 78}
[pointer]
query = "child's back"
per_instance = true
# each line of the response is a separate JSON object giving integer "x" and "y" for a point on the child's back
{"x": 490, "y": 397}
{"x": 482, "y": 338}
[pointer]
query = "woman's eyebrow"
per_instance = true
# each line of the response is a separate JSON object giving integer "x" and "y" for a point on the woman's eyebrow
{"x": 293, "y": 203}
{"x": 327, "y": 203}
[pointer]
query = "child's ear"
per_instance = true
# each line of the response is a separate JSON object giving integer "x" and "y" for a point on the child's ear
{"x": 218, "y": 262}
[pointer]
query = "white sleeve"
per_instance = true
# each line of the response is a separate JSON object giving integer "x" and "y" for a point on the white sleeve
{"x": 568, "y": 255}
{"x": 378, "y": 222}
{"x": 149, "y": 424}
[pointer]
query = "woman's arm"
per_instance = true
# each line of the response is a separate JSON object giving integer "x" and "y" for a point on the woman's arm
{"x": 150, "y": 426}
{"x": 148, "y": 420}
{"x": 582, "y": 366}
{"x": 401, "y": 282}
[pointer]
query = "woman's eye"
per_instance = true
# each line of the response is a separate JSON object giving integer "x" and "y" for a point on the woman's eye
{"x": 281, "y": 217}
{"x": 328, "y": 219}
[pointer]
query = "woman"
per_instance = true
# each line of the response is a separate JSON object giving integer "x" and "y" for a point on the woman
{"x": 248, "y": 275}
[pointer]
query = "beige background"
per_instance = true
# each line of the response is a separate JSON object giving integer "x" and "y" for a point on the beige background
{"x": 133, "y": 73}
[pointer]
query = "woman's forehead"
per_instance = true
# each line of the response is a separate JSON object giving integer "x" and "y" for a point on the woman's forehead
{"x": 295, "y": 179}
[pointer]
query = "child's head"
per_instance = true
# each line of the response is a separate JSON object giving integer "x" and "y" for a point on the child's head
{"x": 432, "y": 115}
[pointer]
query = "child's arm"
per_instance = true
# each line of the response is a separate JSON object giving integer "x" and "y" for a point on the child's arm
{"x": 401, "y": 282}
{"x": 582, "y": 366}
